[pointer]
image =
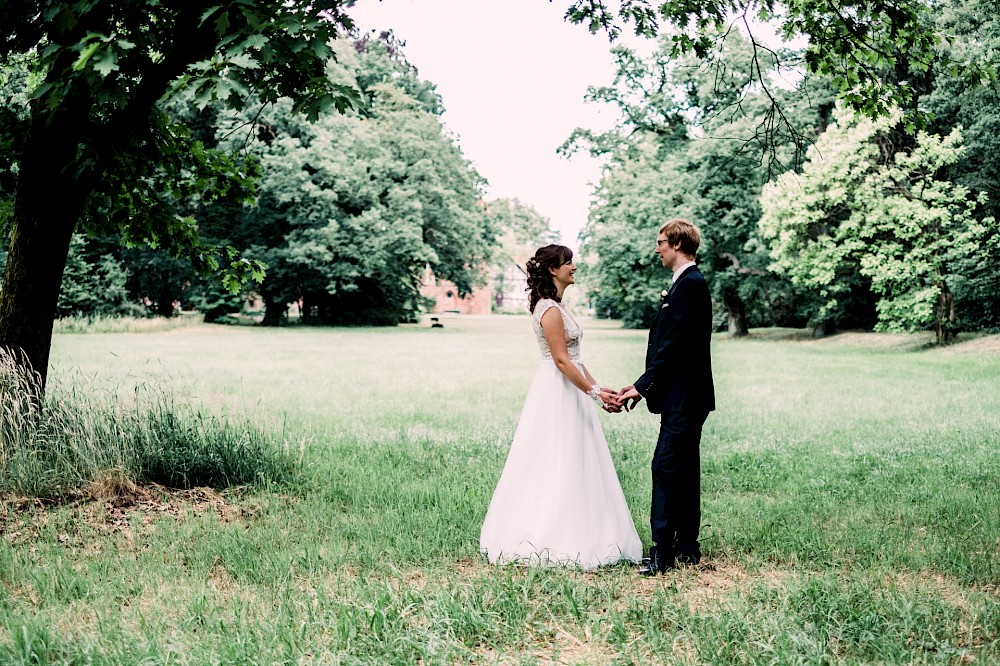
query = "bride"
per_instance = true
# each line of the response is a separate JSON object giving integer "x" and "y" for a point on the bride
{"x": 558, "y": 500}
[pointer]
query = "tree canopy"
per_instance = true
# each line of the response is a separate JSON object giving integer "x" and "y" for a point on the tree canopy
{"x": 678, "y": 151}
{"x": 356, "y": 206}
{"x": 96, "y": 131}
{"x": 873, "y": 52}
{"x": 899, "y": 224}
{"x": 698, "y": 137}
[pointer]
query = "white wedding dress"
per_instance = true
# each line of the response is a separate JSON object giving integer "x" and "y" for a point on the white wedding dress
{"x": 558, "y": 500}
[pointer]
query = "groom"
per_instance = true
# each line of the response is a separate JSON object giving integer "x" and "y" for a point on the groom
{"x": 677, "y": 385}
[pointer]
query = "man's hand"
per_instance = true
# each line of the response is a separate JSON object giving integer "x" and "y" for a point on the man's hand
{"x": 628, "y": 398}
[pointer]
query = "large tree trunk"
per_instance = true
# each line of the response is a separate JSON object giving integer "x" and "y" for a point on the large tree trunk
{"x": 824, "y": 328}
{"x": 739, "y": 323}
{"x": 274, "y": 311}
{"x": 48, "y": 204}
{"x": 165, "y": 300}
{"x": 944, "y": 317}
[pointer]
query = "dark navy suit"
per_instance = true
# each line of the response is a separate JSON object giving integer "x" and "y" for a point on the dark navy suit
{"x": 678, "y": 385}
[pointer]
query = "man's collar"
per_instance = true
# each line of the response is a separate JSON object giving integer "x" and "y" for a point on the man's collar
{"x": 680, "y": 269}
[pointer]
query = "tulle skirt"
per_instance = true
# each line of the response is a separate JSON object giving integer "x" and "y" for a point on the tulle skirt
{"x": 558, "y": 500}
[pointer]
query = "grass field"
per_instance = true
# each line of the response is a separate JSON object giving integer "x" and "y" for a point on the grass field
{"x": 851, "y": 501}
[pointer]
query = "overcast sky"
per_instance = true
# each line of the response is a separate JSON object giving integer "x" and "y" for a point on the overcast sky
{"x": 512, "y": 75}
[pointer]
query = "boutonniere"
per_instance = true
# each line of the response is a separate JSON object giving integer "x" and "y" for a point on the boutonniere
{"x": 663, "y": 294}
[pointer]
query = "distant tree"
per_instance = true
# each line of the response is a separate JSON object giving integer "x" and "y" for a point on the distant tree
{"x": 157, "y": 279}
{"x": 521, "y": 222}
{"x": 161, "y": 279}
{"x": 355, "y": 207}
{"x": 92, "y": 285}
{"x": 854, "y": 214}
{"x": 96, "y": 152}
{"x": 678, "y": 151}
{"x": 520, "y": 230}
{"x": 634, "y": 192}
{"x": 952, "y": 102}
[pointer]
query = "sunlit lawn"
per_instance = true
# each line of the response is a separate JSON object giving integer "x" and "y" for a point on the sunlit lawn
{"x": 851, "y": 506}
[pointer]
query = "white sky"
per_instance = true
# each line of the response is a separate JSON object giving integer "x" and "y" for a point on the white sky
{"x": 512, "y": 75}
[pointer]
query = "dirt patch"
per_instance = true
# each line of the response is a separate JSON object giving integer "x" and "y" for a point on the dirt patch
{"x": 138, "y": 508}
{"x": 710, "y": 582}
{"x": 562, "y": 648}
{"x": 950, "y": 591}
{"x": 566, "y": 648}
{"x": 713, "y": 583}
{"x": 111, "y": 505}
{"x": 16, "y": 519}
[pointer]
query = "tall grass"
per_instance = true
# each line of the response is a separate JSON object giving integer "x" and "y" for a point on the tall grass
{"x": 124, "y": 324}
{"x": 55, "y": 445}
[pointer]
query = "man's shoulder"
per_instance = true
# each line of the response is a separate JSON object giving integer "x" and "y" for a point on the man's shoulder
{"x": 690, "y": 276}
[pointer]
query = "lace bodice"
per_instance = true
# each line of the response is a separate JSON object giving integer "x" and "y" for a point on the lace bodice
{"x": 572, "y": 329}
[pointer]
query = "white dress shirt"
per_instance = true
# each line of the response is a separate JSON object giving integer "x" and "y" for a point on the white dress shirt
{"x": 681, "y": 269}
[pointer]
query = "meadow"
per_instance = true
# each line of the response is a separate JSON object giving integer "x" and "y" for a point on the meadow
{"x": 851, "y": 509}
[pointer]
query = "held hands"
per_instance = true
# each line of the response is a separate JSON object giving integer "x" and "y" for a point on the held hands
{"x": 627, "y": 398}
{"x": 605, "y": 398}
{"x": 609, "y": 398}
{"x": 613, "y": 401}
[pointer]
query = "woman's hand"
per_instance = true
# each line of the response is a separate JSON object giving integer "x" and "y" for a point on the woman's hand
{"x": 609, "y": 398}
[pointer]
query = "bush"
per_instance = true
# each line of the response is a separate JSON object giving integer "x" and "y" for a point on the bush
{"x": 215, "y": 302}
{"x": 58, "y": 445}
{"x": 92, "y": 285}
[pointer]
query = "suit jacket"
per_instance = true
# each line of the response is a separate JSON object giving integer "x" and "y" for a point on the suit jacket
{"x": 678, "y": 374}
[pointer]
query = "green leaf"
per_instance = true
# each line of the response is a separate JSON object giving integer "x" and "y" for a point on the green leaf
{"x": 85, "y": 56}
{"x": 107, "y": 62}
{"x": 244, "y": 61}
{"x": 253, "y": 41}
{"x": 207, "y": 14}
{"x": 222, "y": 24}
{"x": 231, "y": 283}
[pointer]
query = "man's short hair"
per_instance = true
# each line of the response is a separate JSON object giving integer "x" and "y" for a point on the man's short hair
{"x": 679, "y": 231}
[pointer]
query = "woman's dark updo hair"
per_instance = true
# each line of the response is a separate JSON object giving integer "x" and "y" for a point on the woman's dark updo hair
{"x": 540, "y": 283}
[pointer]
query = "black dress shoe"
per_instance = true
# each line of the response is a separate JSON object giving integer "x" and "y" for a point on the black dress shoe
{"x": 688, "y": 554}
{"x": 688, "y": 558}
{"x": 647, "y": 563}
{"x": 648, "y": 570}
{"x": 659, "y": 561}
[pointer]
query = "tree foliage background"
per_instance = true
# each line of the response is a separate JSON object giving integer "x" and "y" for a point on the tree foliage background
{"x": 898, "y": 224}
{"x": 701, "y": 136}
{"x": 349, "y": 210}
{"x": 97, "y": 149}
{"x": 356, "y": 207}
{"x": 210, "y": 140}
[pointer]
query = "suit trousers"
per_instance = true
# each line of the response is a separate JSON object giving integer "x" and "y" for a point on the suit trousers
{"x": 675, "y": 514}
